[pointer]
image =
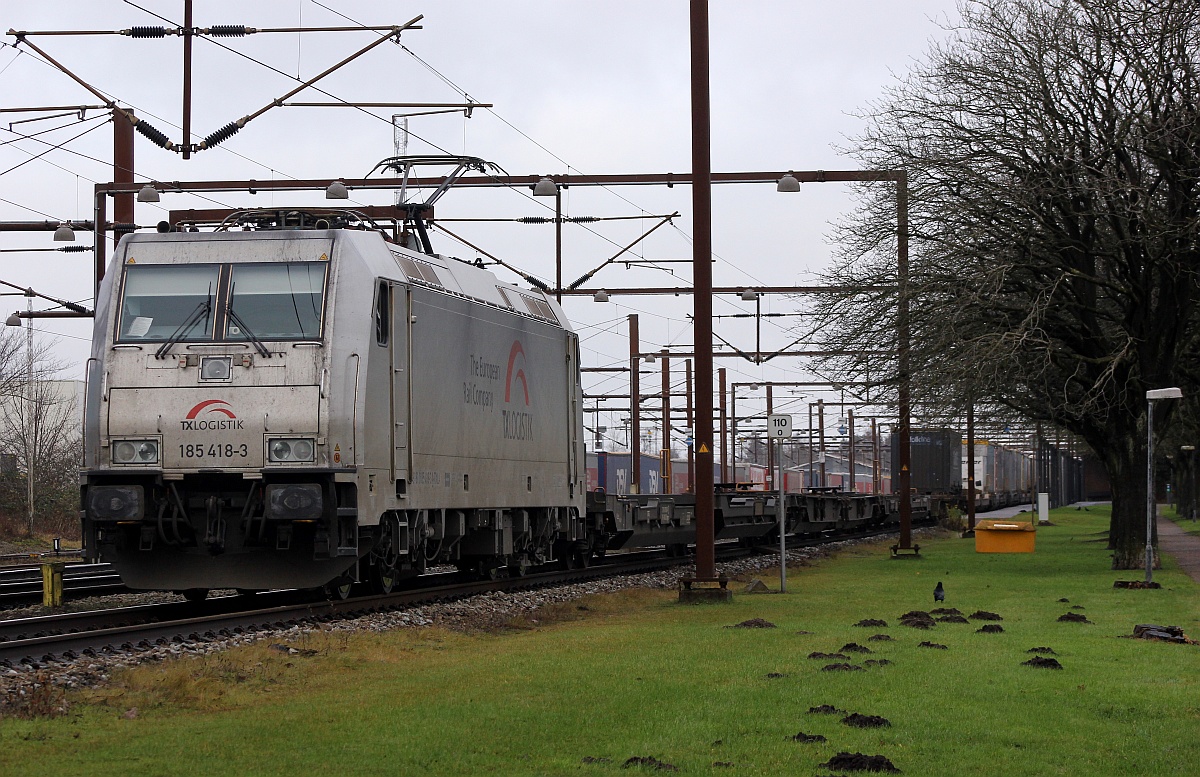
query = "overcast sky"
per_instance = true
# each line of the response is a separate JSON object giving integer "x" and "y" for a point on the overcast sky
{"x": 581, "y": 87}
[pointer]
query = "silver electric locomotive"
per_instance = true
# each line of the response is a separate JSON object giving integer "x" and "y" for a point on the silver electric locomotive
{"x": 307, "y": 407}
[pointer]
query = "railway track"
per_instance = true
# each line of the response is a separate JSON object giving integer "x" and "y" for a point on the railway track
{"x": 22, "y": 585}
{"x": 51, "y": 639}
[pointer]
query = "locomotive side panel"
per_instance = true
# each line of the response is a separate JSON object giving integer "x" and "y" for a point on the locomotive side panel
{"x": 492, "y": 426}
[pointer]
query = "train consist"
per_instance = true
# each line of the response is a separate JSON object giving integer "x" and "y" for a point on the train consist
{"x": 1003, "y": 476}
{"x": 304, "y": 402}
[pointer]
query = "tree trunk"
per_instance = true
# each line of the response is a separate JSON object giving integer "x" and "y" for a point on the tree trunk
{"x": 1125, "y": 458}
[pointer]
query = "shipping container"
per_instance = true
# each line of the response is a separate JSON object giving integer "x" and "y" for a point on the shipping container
{"x": 935, "y": 460}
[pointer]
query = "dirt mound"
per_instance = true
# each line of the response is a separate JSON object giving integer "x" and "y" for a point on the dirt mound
{"x": 877, "y": 662}
{"x": 945, "y": 611}
{"x": 857, "y": 762}
{"x": 872, "y": 622}
{"x": 1046, "y": 650}
{"x": 825, "y": 709}
{"x": 802, "y": 737}
{"x": 933, "y": 645}
{"x": 1042, "y": 663}
{"x": 828, "y": 656}
{"x": 854, "y": 647}
{"x": 879, "y": 638}
{"x": 952, "y": 619}
{"x": 753, "y": 623}
{"x": 1064, "y": 600}
{"x": 651, "y": 761}
{"x": 858, "y": 720}
{"x": 775, "y": 675}
{"x": 984, "y": 615}
{"x": 842, "y": 668}
{"x": 917, "y": 620}
{"x": 1073, "y": 617}
{"x": 1135, "y": 584}
{"x": 991, "y": 628}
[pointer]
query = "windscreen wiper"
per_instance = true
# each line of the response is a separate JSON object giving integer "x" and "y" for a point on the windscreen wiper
{"x": 201, "y": 312}
{"x": 258, "y": 346}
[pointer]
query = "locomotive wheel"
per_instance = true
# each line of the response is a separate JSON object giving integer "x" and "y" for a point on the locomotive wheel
{"x": 195, "y": 594}
{"x": 338, "y": 589}
{"x": 520, "y": 568}
{"x": 383, "y": 578}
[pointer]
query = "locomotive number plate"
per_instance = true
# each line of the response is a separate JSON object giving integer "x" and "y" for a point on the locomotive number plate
{"x": 212, "y": 451}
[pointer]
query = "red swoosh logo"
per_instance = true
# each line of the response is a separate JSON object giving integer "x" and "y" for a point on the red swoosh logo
{"x": 519, "y": 375}
{"x": 208, "y": 405}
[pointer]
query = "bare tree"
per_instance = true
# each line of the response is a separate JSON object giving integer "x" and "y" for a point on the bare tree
{"x": 40, "y": 432}
{"x": 1053, "y": 154}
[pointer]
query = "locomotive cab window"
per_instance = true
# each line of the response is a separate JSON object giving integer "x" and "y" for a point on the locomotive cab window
{"x": 279, "y": 301}
{"x": 159, "y": 300}
{"x": 383, "y": 311}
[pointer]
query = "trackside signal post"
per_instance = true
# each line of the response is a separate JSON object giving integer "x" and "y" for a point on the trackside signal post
{"x": 779, "y": 427}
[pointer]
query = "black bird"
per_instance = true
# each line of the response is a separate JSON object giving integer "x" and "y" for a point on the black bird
{"x": 939, "y": 593}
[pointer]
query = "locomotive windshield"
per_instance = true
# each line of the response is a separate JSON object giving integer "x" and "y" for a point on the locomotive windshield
{"x": 222, "y": 302}
{"x": 276, "y": 301}
{"x": 159, "y": 299}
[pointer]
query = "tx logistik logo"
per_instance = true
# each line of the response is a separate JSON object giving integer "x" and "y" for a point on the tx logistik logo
{"x": 225, "y": 419}
{"x": 517, "y": 425}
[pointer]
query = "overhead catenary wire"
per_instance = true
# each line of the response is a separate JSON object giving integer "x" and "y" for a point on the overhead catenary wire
{"x": 55, "y": 147}
{"x": 157, "y": 137}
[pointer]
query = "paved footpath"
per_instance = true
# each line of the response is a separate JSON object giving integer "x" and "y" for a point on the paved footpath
{"x": 1183, "y": 547}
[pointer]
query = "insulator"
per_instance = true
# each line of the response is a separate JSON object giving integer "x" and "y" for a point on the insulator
{"x": 154, "y": 136}
{"x": 227, "y": 31}
{"x": 581, "y": 280}
{"x": 221, "y": 135}
{"x": 536, "y": 283}
{"x": 75, "y": 306}
{"x": 123, "y": 228}
{"x": 583, "y": 219}
{"x": 535, "y": 220}
{"x": 147, "y": 32}
{"x": 75, "y": 249}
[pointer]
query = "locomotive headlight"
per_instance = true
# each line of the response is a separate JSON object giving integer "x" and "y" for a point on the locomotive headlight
{"x": 291, "y": 449}
{"x": 135, "y": 452}
{"x": 302, "y": 450}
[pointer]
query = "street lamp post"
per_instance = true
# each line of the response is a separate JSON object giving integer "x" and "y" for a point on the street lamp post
{"x": 1151, "y": 396}
{"x": 1189, "y": 475}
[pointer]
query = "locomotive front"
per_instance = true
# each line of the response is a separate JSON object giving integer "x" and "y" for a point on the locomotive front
{"x": 206, "y": 464}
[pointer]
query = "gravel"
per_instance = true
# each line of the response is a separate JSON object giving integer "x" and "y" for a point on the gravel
{"x": 482, "y": 612}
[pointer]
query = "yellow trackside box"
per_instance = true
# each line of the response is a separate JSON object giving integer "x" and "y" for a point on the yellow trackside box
{"x": 1004, "y": 536}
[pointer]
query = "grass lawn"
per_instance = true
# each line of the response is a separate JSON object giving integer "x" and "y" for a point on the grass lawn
{"x": 635, "y": 674}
